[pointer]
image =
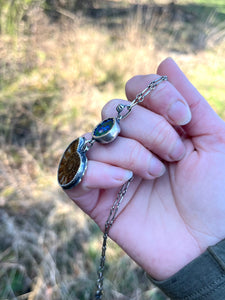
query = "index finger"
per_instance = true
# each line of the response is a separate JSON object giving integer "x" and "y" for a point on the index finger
{"x": 164, "y": 99}
{"x": 204, "y": 119}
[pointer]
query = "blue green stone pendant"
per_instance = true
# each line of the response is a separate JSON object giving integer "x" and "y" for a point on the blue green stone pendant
{"x": 106, "y": 131}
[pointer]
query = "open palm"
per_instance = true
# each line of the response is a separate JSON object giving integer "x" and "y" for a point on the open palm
{"x": 174, "y": 208}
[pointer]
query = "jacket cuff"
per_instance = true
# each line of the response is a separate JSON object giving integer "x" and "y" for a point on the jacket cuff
{"x": 201, "y": 279}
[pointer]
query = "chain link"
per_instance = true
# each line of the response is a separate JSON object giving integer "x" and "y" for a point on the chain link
{"x": 88, "y": 144}
{"x": 152, "y": 85}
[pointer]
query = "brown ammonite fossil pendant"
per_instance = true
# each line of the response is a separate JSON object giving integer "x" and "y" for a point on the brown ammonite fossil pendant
{"x": 73, "y": 164}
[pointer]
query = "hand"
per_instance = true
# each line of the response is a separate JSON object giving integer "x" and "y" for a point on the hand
{"x": 175, "y": 206}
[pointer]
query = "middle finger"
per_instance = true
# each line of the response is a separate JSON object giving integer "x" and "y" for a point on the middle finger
{"x": 153, "y": 131}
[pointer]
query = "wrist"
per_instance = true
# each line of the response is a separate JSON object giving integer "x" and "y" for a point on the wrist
{"x": 202, "y": 279}
{"x": 170, "y": 263}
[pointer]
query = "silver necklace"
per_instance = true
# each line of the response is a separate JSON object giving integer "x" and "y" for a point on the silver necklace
{"x": 73, "y": 165}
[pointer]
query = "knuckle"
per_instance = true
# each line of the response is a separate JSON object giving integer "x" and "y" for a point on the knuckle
{"x": 107, "y": 108}
{"x": 131, "y": 84}
{"x": 131, "y": 81}
{"x": 110, "y": 108}
{"x": 162, "y": 133}
{"x": 163, "y": 91}
{"x": 135, "y": 151}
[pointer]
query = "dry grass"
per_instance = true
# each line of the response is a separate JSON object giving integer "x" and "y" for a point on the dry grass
{"x": 54, "y": 81}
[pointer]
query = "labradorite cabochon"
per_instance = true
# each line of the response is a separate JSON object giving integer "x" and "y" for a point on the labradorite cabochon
{"x": 104, "y": 127}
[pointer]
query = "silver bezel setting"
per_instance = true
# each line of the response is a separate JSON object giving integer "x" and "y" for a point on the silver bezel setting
{"x": 110, "y": 135}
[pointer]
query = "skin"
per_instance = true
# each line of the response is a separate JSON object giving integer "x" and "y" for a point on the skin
{"x": 174, "y": 208}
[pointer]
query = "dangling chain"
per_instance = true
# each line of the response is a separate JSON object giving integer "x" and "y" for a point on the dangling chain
{"x": 113, "y": 212}
{"x": 108, "y": 224}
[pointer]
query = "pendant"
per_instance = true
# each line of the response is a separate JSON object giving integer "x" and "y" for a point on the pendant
{"x": 73, "y": 164}
{"x": 106, "y": 131}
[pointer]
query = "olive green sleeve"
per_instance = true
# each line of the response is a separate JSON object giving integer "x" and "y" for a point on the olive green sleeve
{"x": 201, "y": 279}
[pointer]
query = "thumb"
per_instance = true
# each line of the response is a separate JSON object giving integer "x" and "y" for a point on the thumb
{"x": 204, "y": 119}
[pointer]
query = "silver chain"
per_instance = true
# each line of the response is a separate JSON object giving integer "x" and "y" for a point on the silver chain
{"x": 114, "y": 209}
{"x": 139, "y": 98}
{"x": 152, "y": 85}
{"x": 108, "y": 224}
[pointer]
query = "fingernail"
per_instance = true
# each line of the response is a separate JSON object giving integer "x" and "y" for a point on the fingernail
{"x": 179, "y": 113}
{"x": 177, "y": 151}
{"x": 128, "y": 175}
{"x": 156, "y": 167}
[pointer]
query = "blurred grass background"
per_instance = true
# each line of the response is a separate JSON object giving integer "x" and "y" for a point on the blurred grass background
{"x": 60, "y": 61}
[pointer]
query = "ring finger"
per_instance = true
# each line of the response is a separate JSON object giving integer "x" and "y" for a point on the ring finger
{"x": 128, "y": 154}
